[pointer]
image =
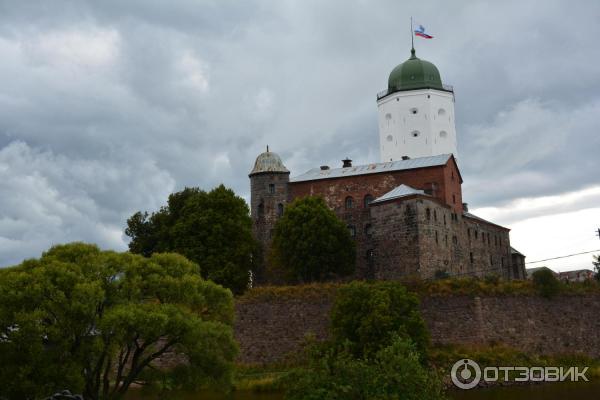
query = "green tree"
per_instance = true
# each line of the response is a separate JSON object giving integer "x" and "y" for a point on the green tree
{"x": 95, "y": 321}
{"x": 546, "y": 283}
{"x": 596, "y": 263}
{"x": 212, "y": 229}
{"x": 394, "y": 372}
{"x": 367, "y": 316}
{"x": 311, "y": 244}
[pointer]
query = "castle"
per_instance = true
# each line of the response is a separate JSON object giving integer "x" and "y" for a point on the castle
{"x": 406, "y": 213}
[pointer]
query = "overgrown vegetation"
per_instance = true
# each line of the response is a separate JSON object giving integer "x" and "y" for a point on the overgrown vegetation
{"x": 366, "y": 316}
{"x": 95, "y": 321}
{"x": 546, "y": 283}
{"x": 311, "y": 243}
{"x": 392, "y": 372}
{"x": 212, "y": 229}
{"x": 377, "y": 349}
{"x": 442, "y": 357}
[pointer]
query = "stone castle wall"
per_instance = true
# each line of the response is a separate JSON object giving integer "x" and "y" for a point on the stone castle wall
{"x": 270, "y": 330}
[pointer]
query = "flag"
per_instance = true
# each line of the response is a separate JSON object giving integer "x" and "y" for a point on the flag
{"x": 420, "y": 31}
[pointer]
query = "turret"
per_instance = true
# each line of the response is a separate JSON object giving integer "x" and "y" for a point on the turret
{"x": 416, "y": 113}
{"x": 268, "y": 196}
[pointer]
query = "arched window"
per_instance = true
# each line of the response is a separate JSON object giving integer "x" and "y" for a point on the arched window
{"x": 370, "y": 255}
{"x": 368, "y": 200}
{"x": 434, "y": 215}
{"x": 428, "y": 214}
{"x": 349, "y": 202}
{"x": 441, "y": 111}
{"x": 280, "y": 209}
{"x": 352, "y": 230}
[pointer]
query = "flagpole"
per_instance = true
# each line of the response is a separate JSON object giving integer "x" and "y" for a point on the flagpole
{"x": 412, "y": 36}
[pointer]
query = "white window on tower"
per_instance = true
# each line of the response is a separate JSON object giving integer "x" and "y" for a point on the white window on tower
{"x": 389, "y": 138}
{"x": 415, "y": 133}
{"x": 443, "y": 134}
{"x": 414, "y": 110}
{"x": 441, "y": 111}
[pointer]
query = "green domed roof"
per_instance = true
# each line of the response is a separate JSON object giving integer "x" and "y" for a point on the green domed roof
{"x": 414, "y": 73}
{"x": 268, "y": 162}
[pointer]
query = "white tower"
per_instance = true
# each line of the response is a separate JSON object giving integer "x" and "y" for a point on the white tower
{"x": 416, "y": 113}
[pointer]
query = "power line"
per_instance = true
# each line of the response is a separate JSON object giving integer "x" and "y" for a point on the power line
{"x": 556, "y": 258}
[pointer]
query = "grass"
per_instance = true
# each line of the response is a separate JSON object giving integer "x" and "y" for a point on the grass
{"x": 468, "y": 286}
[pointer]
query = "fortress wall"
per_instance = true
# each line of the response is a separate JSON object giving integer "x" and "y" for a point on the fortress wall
{"x": 269, "y": 330}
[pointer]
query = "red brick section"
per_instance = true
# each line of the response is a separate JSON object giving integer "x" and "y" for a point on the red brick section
{"x": 444, "y": 182}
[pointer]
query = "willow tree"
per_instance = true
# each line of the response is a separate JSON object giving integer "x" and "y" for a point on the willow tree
{"x": 95, "y": 321}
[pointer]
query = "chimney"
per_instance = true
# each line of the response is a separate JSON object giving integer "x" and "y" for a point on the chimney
{"x": 405, "y": 157}
{"x": 465, "y": 207}
{"x": 324, "y": 167}
{"x": 347, "y": 163}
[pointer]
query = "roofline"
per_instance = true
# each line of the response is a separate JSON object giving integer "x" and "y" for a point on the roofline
{"x": 456, "y": 165}
{"x": 374, "y": 173}
{"x": 251, "y": 174}
{"x": 385, "y": 93}
{"x": 485, "y": 222}
{"x": 410, "y": 197}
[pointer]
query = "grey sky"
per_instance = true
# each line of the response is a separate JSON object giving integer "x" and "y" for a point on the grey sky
{"x": 108, "y": 106}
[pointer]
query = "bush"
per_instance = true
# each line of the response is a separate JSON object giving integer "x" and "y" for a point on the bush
{"x": 366, "y": 316}
{"x": 394, "y": 372}
{"x": 546, "y": 283}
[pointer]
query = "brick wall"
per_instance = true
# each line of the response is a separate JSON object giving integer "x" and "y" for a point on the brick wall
{"x": 271, "y": 330}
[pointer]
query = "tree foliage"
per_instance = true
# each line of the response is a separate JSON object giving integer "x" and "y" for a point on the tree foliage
{"x": 311, "y": 243}
{"x": 546, "y": 283}
{"x": 212, "y": 229}
{"x": 393, "y": 372}
{"x": 596, "y": 264}
{"x": 94, "y": 321}
{"x": 366, "y": 316}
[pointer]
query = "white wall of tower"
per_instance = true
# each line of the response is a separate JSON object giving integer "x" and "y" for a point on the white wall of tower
{"x": 416, "y": 123}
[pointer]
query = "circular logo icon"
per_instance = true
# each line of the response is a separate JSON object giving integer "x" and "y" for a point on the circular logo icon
{"x": 465, "y": 374}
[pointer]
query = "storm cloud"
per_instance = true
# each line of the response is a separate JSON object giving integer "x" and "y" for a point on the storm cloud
{"x": 108, "y": 106}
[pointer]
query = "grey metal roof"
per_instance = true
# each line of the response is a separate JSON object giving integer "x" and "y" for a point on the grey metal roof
{"x": 475, "y": 217}
{"x": 268, "y": 162}
{"x": 399, "y": 191}
{"x": 515, "y": 251}
{"x": 413, "y": 163}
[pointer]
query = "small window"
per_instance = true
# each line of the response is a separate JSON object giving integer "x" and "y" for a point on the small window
{"x": 476, "y": 234}
{"x": 369, "y": 230}
{"x": 428, "y": 214}
{"x": 436, "y": 238}
{"x": 261, "y": 210}
{"x": 443, "y": 134}
{"x": 370, "y": 255}
{"x": 388, "y": 116}
{"x": 280, "y": 209}
{"x": 271, "y": 188}
{"x": 368, "y": 200}
{"x": 389, "y": 138}
{"x": 471, "y": 257}
{"x": 469, "y": 233}
{"x": 453, "y": 199}
{"x": 415, "y": 133}
{"x": 454, "y": 240}
{"x": 444, "y": 219}
{"x": 349, "y": 203}
{"x": 441, "y": 111}
{"x": 414, "y": 111}
{"x": 352, "y": 230}
{"x": 434, "y": 215}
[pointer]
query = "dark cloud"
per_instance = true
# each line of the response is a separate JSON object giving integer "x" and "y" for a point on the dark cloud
{"x": 106, "y": 107}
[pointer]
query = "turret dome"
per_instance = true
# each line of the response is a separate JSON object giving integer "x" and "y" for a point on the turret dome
{"x": 268, "y": 162}
{"x": 414, "y": 73}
